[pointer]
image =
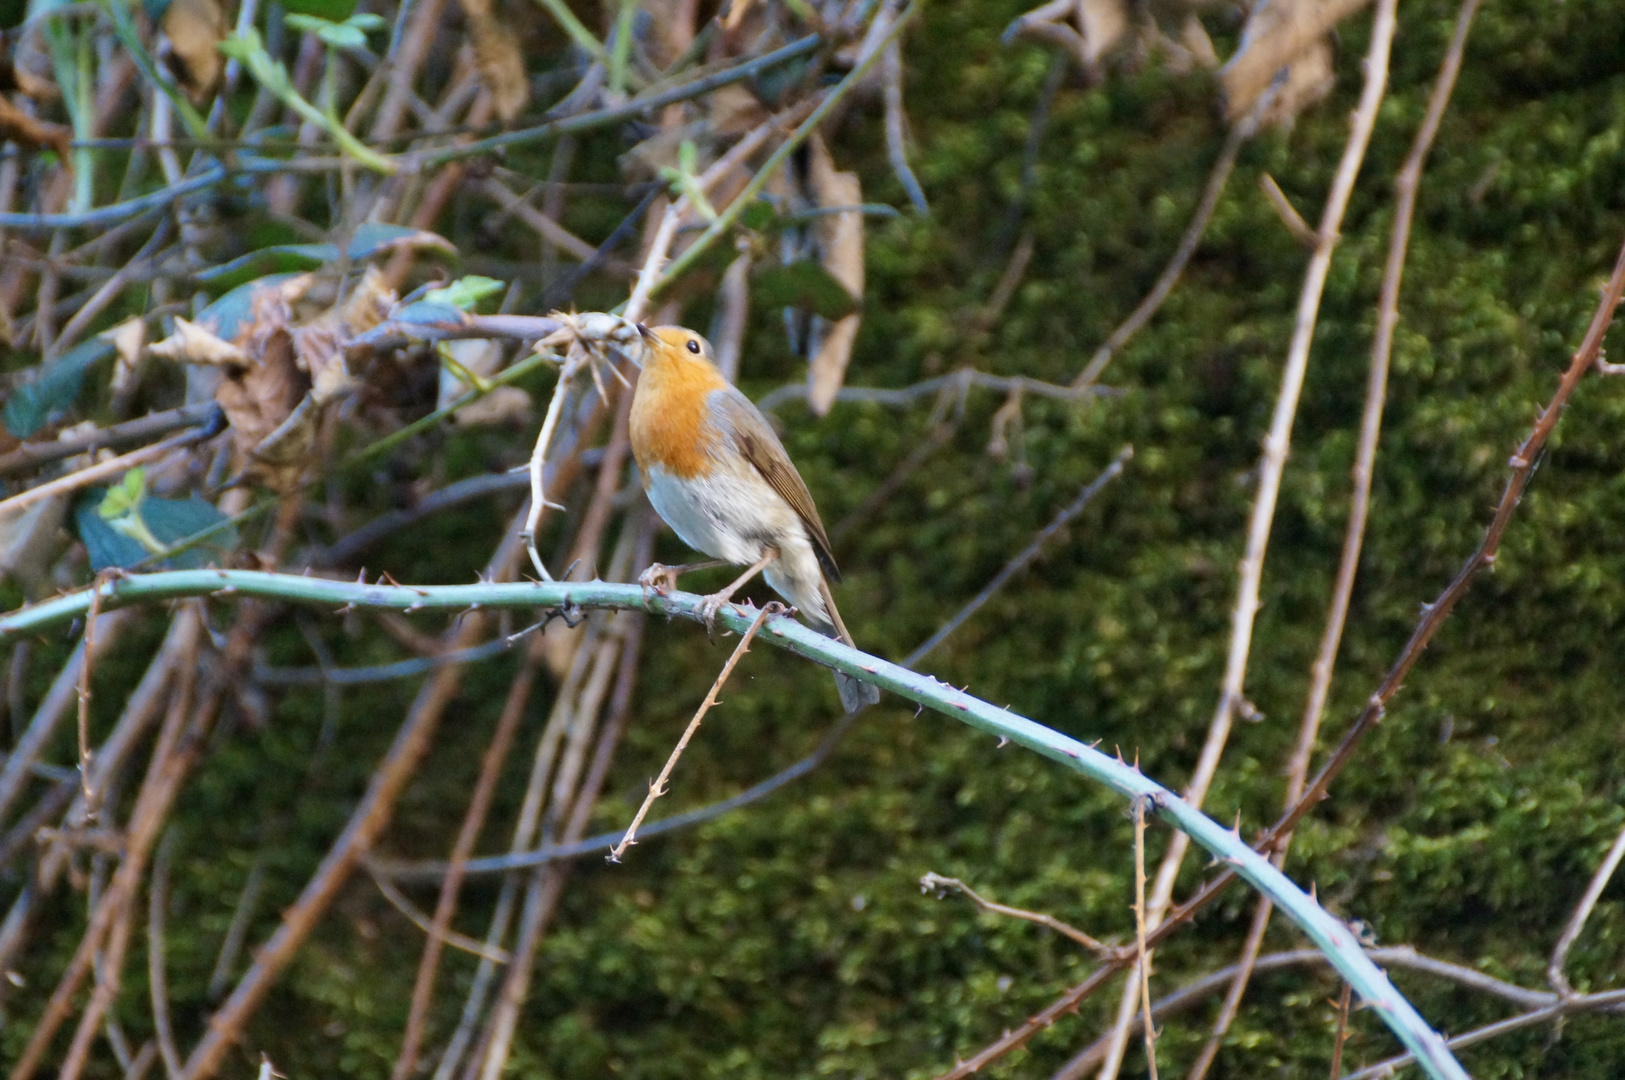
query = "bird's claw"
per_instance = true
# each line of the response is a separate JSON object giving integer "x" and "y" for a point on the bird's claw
{"x": 659, "y": 577}
{"x": 710, "y": 607}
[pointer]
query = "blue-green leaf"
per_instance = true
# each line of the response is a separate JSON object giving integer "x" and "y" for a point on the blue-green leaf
{"x": 35, "y": 404}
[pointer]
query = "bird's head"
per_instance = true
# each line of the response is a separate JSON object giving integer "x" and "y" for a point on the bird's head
{"x": 676, "y": 343}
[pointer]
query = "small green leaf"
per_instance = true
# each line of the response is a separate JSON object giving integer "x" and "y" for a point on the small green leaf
{"x": 758, "y": 215}
{"x": 465, "y": 292}
{"x": 34, "y": 404}
{"x": 125, "y": 497}
{"x": 349, "y": 34}
{"x": 150, "y": 528}
{"x": 343, "y": 37}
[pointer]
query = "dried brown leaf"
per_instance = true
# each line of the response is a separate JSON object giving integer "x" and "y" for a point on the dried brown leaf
{"x": 1102, "y": 24}
{"x": 1279, "y": 34}
{"x": 735, "y": 110}
{"x": 129, "y": 338}
{"x": 319, "y": 343}
{"x": 194, "y": 344}
{"x": 840, "y": 240}
{"x": 22, "y": 129}
{"x": 30, "y": 543}
{"x": 194, "y": 29}
{"x": 496, "y": 51}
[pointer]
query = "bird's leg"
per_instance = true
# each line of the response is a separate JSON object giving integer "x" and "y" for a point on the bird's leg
{"x": 663, "y": 579}
{"x": 713, "y": 603}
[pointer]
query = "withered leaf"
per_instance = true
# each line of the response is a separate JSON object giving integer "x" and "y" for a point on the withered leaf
{"x": 1277, "y": 34}
{"x": 17, "y": 126}
{"x": 840, "y": 239}
{"x": 193, "y": 344}
{"x": 194, "y": 29}
{"x": 496, "y": 51}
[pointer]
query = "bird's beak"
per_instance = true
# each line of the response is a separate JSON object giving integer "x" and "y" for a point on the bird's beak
{"x": 648, "y": 334}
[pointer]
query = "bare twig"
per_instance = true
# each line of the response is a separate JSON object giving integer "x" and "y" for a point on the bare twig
{"x": 963, "y": 379}
{"x": 33, "y": 455}
{"x": 658, "y": 787}
{"x": 89, "y": 791}
{"x": 1288, "y": 213}
{"x": 1342, "y": 1032}
{"x": 157, "y": 978}
{"x": 1030, "y": 552}
{"x": 479, "y": 805}
{"x": 102, "y": 470}
{"x": 1144, "y": 969}
{"x": 1582, "y": 912}
{"x": 437, "y": 935}
{"x": 896, "y": 128}
{"x": 939, "y": 884}
{"x": 237, "y": 930}
{"x": 51, "y": 711}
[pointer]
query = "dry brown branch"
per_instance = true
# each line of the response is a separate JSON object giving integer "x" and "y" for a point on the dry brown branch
{"x": 940, "y": 884}
{"x": 1288, "y": 213}
{"x": 1144, "y": 969}
{"x": 1406, "y": 185}
{"x": 575, "y": 718}
{"x": 157, "y": 978}
{"x": 158, "y": 790}
{"x": 33, "y": 455}
{"x": 366, "y": 822}
{"x": 1270, "y": 470}
{"x": 1582, "y": 912}
{"x": 51, "y": 711}
{"x": 658, "y": 787}
{"x": 403, "y": 904}
{"x": 1342, "y": 1031}
{"x": 1433, "y": 617}
{"x": 88, "y": 789}
{"x": 102, "y": 470}
{"x": 513, "y": 710}
{"x": 550, "y": 230}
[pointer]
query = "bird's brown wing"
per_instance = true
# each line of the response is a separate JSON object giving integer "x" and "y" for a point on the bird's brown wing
{"x": 761, "y": 447}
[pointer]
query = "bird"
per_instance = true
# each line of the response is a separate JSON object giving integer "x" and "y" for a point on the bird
{"x": 716, "y": 472}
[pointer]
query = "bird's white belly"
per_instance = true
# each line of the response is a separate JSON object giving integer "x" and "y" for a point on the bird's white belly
{"x": 725, "y": 515}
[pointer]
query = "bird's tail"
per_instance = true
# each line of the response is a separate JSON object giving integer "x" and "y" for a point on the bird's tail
{"x": 856, "y": 695}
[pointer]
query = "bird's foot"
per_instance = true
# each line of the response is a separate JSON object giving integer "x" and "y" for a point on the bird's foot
{"x": 661, "y": 578}
{"x": 710, "y": 606}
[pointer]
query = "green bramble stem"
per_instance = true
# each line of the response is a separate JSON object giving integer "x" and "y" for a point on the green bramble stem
{"x": 1329, "y": 935}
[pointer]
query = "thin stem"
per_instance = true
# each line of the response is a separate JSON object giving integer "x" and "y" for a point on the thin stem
{"x": 658, "y": 787}
{"x": 1582, "y": 912}
{"x": 939, "y": 884}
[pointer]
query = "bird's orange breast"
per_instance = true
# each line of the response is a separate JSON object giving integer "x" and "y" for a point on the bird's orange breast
{"x": 670, "y": 422}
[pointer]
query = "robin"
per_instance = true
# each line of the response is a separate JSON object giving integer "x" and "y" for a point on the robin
{"x": 718, "y": 475}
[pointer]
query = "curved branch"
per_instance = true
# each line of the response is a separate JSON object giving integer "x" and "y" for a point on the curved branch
{"x": 1328, "y": 934}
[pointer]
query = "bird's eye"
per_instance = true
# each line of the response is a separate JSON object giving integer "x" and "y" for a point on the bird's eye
{"x": 694, "y": 346}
